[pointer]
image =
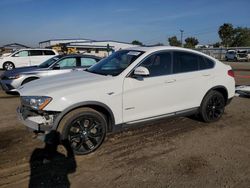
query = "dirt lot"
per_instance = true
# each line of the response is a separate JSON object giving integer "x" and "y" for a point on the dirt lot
{"x": 178, "y": 152}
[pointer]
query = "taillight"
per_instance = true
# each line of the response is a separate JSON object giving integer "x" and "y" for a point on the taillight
{"x": 230, "y": 73}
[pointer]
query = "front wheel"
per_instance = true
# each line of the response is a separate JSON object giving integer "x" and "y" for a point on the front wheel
{"x": 8, "y": 66}
{"x": 84, "y": 128}
{"x": 212, "y": 107}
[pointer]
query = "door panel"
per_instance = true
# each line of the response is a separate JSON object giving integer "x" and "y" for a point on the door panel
{"x": 21, "y": 59}
{"x": 145, "y": 97}
{"x": 64, "y": 66}
{"x": 36, "y": 57}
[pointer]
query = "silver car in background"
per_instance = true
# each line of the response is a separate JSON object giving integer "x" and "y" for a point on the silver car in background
{"x": 11, "y": 80}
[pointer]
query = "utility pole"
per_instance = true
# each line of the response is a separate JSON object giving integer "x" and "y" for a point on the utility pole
{"x": 181, "y": 36}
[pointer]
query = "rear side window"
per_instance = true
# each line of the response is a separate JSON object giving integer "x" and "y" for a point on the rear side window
{"x": 36, "y": 52}
{"x": 87, "y": 62}
{"x": 158, "y": 64}
{"x": 48, "y": 52}
{"x": 205, "y": 63}
{"x": 185, "y": 62}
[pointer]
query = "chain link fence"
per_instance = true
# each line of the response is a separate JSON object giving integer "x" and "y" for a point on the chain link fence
{"x": 219, "y": 53}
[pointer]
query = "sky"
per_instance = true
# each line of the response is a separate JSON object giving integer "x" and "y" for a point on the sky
{"x": 149, "y": 21}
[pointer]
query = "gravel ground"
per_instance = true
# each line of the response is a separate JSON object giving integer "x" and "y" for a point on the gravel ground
{"x": 178, "y": 152}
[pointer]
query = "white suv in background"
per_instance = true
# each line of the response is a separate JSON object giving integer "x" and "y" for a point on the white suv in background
{"x": 26, "y": 57}
{"x": 130, "y": 86}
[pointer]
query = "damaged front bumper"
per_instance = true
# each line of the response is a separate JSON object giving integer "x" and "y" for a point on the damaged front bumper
{"x": 38, "y": 122}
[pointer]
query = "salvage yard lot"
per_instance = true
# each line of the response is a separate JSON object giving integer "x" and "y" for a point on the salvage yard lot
{"x": 179, "y": 152}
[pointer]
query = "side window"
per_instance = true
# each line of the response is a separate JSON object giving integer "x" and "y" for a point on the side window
{"x": 36, "y": 52}
{"x": 48, "y": 52}
{"x": 87, "y": 62}
{"x": 205, "y": 63}
{"x": 158, "y": 64}
{"x": 185, "y": 62}
{"x": 67, "y": 62}
{"x": 23, "y": 53}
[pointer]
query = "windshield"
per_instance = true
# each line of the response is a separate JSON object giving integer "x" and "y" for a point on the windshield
{"x": 115, "y": 63}
{"x": 49, "y": 62}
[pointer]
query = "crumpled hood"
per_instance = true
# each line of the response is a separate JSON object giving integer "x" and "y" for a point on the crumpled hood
{"x": 68, "y": 82}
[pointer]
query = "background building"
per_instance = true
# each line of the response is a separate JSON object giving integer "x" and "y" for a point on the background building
{"x": 53, "y": 42}
{"x": 99, "y": 48}
{"x": 9, "y": 48}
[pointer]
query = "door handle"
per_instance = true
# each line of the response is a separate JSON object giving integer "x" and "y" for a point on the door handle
{"x": 170, "y": 81}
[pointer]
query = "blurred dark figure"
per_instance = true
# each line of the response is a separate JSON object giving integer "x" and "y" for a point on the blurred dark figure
{"x": 48, "y": 167}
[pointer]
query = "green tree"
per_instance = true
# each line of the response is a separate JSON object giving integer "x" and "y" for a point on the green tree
{"x": 137, "y": 42}
{"x": 173, "y": 41}
{"x": 226, "y": 32}
{"x": 191, "y": 42}
{"x": 241, "y": 37}
{"x": 217, "y": 45}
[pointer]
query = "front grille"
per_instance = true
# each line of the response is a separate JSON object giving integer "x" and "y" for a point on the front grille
{"x": 28, "y": 111}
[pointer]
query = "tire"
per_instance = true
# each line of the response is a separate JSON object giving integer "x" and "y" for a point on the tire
{"x": 8, "y": 65}
{"x": 84, "y": 128}
{"x": 28, "y": 80}
{"x": 212, "y": 107}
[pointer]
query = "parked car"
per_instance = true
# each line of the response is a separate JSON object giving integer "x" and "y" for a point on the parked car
{"x": 26, "y": 57}
{"x": 130, "y": 86}
{"x": 12, "y": 79}
{"x": 243, "y": 90}
{"x": 237, "y": 55}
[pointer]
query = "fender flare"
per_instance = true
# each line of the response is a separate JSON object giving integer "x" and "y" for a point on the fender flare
{"x": 217, "y": 88}
{"x": 84, "y": 104}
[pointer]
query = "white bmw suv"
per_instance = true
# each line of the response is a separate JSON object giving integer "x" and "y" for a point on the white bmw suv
{"x": 131, "y": 86}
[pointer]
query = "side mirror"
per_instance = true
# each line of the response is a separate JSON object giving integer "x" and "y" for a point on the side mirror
{"x": 56, "y": 67}
{"x": 141, "y": 71}
{"x": 16, "y": 55}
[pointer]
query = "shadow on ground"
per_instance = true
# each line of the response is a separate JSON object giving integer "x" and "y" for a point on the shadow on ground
{"x": 50, "y": 168}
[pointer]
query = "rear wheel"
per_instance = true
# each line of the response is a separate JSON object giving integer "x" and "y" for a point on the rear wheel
{"x": 84, "y": 128}
{"x": 212, "y": 107}
{"x": 8, "y": 66}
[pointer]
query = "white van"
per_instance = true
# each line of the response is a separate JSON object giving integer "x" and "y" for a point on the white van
{"x": 26, "y": 57}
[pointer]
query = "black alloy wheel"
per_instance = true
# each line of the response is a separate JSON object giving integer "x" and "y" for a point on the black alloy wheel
{"x": 212, "y": 107}
{"x": 85, "y": 129}
{"x": 215, "y": 107}
{"x": 85, "y": 134}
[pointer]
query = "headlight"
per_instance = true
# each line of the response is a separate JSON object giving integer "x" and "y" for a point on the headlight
{"x": 36, "y": 102}
{"x": 14, "y": 77}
